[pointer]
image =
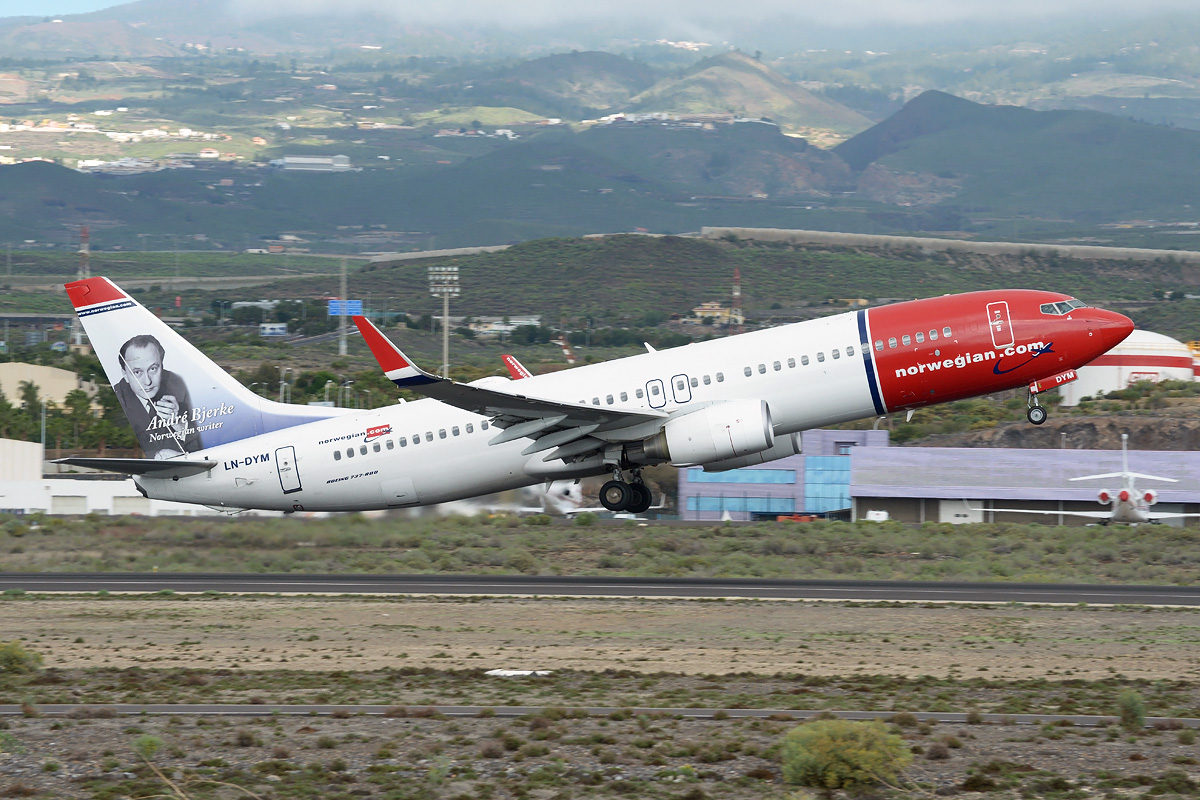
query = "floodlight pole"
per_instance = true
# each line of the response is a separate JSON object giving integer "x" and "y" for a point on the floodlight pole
{"x": 443, "y": 283}
{"x": 342, "y": 318}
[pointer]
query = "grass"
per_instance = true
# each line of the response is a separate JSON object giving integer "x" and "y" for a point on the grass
{"x": 479, "y": 545}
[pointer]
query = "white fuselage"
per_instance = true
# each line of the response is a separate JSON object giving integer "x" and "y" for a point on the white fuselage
{"x": 373, "y": 459}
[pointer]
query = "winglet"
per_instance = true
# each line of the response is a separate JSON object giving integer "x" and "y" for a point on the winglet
{"x": 515, "y": 368}
{"x": 399, "y": 369}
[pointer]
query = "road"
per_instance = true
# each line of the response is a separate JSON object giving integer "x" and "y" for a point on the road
{"x": 583, "y": 586}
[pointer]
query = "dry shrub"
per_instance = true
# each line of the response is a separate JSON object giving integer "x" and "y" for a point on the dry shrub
{"x": 396, "y": 711}
{"x": 937, "y": 751}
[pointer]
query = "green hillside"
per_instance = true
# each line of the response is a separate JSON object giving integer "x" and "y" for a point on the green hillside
{"x": 734, "y": 82}
{"x": 570, "y": 86}
{"x": 1073, "y": 165}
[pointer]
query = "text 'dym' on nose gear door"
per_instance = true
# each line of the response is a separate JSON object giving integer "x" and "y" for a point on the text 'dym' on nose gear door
{"x": 285, "y": 463}
{"x": 1000, "y": 324}
{"x": 655, "y": 393}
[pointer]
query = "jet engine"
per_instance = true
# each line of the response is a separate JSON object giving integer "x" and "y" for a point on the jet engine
{"x": 1104, "y": 496}
{"x": 789, "y": 445}
{"x": 713, "y": 433}
{"x": 1150, "y": 497}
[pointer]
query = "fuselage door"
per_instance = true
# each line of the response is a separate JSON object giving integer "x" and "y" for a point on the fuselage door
{"x": 285, "y": 463}
{"x": 1000, "y": 324}
{"x": 655, "y": 393}
{"x": 681, "y": 389}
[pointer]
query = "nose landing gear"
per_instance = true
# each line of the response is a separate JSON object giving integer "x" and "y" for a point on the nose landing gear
{"x": 1036, "y": 414}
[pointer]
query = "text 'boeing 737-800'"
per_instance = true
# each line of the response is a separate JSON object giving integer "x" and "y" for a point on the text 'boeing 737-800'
{"x": 719, "y": 404}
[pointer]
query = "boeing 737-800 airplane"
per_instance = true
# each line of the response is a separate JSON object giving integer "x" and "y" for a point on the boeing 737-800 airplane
{"x": 720, "y": 404}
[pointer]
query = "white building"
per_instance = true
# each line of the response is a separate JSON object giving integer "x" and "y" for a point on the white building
{"x": 1144, "y": 356}
{"x": 337, "y": 163}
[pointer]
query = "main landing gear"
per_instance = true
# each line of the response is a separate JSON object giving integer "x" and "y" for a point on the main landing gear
{"x": 617, "y": 495}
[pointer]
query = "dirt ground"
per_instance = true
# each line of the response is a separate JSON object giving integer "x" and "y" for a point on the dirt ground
{"x": 420, "y": 756}
{"x": 685, "y": 636}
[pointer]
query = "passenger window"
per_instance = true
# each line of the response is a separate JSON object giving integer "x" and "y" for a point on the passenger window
{"x": 429, "y": 436}
{"x": 442, "y": 433}
{"x": 879, "y": 344}
{"x": 695, "y": 383}
{"x": 804, "y": 361}
{"x": 748, "y": 372}
{"x": 707, "y": 380}
{"x": 850, "y": 351}
{"x": 391, "y": 445}
{"x": 403, "y": 441}
{"x": 639, "y": 393}
{"x": 679, "y": 384}
{"x": 654, "y": 389}
{"x": 892, "y": 342}
{"x": 624, "y": 397}
{"x": 454, "y": 431}
{"x": 820, "y": 356}
{"x": 349, "y": 452}
{"x": 363, "y": 449}
{"x": 609, "y": 399}
{"x": 791, "y": 363}
{"x": 337, "y": 455}
{"x": 762, "y": 369}
{"x": 720, "y": 377}
{"x": 777, "y": 366}
{"x": 933, "y": 336}
{"x": 945, "y": 331}
{"x": 470, "y": 427}
{"x": 920, "y": 337}
{"x": 416, "y": 438}
{"x": 483, "y": 426}
{"x": 836, "y": 353}
{"x": 906, "y": 340}
{"x": 376, "y": 447}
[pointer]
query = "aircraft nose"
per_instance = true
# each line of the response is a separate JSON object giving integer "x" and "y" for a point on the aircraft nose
{"x": 1113, "y": 327}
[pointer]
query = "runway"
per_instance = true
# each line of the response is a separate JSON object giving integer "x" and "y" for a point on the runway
{"x": 584, "y": 586}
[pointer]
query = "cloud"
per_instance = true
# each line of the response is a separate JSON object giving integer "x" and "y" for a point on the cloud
{"x": 850, "y": 13}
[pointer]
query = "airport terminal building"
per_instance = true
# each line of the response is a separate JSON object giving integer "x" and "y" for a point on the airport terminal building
{"x": 847, "y": 474}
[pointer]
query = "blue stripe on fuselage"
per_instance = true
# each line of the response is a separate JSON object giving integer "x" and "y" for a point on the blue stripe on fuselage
{"x": 867, "y": 363}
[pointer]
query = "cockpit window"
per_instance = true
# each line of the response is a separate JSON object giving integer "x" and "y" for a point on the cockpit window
{"x": 1063, "y": 307}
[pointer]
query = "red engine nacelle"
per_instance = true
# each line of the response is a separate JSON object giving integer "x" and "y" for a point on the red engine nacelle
{"x": 1104, "y": 496}
{"x": 1150, "y": 496}
{"x": 1123, "y": 495}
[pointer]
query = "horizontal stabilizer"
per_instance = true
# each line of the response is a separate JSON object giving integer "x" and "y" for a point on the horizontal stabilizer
{"x": 151, "y": 467}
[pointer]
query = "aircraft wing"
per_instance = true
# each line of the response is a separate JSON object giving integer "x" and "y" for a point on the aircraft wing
{"x": 1084, "y": 514}
{"x": 565, "y": 428}
{"x": 154, "y": 467}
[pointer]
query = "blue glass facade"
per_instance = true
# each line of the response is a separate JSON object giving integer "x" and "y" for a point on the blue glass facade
{"x": 698, "y": 475}
{"x": 826, "y": 483}
{"x": 817, "y": 482}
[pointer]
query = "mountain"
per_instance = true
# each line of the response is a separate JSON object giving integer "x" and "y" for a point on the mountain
{"x": 1074, "y": 165}
{"x": 566, "y": 85}
{"x": 81, "y": 38}
{"x": 734, "y": 82}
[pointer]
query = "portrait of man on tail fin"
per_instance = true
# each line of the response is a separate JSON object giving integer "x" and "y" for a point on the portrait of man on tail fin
{"x": 155, "y": 400}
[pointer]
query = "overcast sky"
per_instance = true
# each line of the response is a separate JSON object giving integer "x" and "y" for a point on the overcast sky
{"x": 524, "y": 12}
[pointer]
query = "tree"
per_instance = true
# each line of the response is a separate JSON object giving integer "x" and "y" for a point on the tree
{"x": 834, "y": 754}
{"x": 1133, "y": 710}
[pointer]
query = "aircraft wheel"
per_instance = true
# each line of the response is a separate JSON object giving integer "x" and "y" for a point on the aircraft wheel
{"x": 641, "y": 498}
{"x": 1037, "y": 415}
{"x": 615, "y": 495}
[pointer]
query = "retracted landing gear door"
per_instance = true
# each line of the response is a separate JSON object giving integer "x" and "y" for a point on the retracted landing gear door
{"x": 285, "y": 463}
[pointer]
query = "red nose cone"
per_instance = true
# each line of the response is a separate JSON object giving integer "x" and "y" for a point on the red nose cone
{"x": 1124, "y": 495}
{"x": 1114, "y": 328}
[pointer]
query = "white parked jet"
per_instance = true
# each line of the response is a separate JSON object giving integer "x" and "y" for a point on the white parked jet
{"x": 721, "y": 404}
{"x": 1129, "y": 506}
